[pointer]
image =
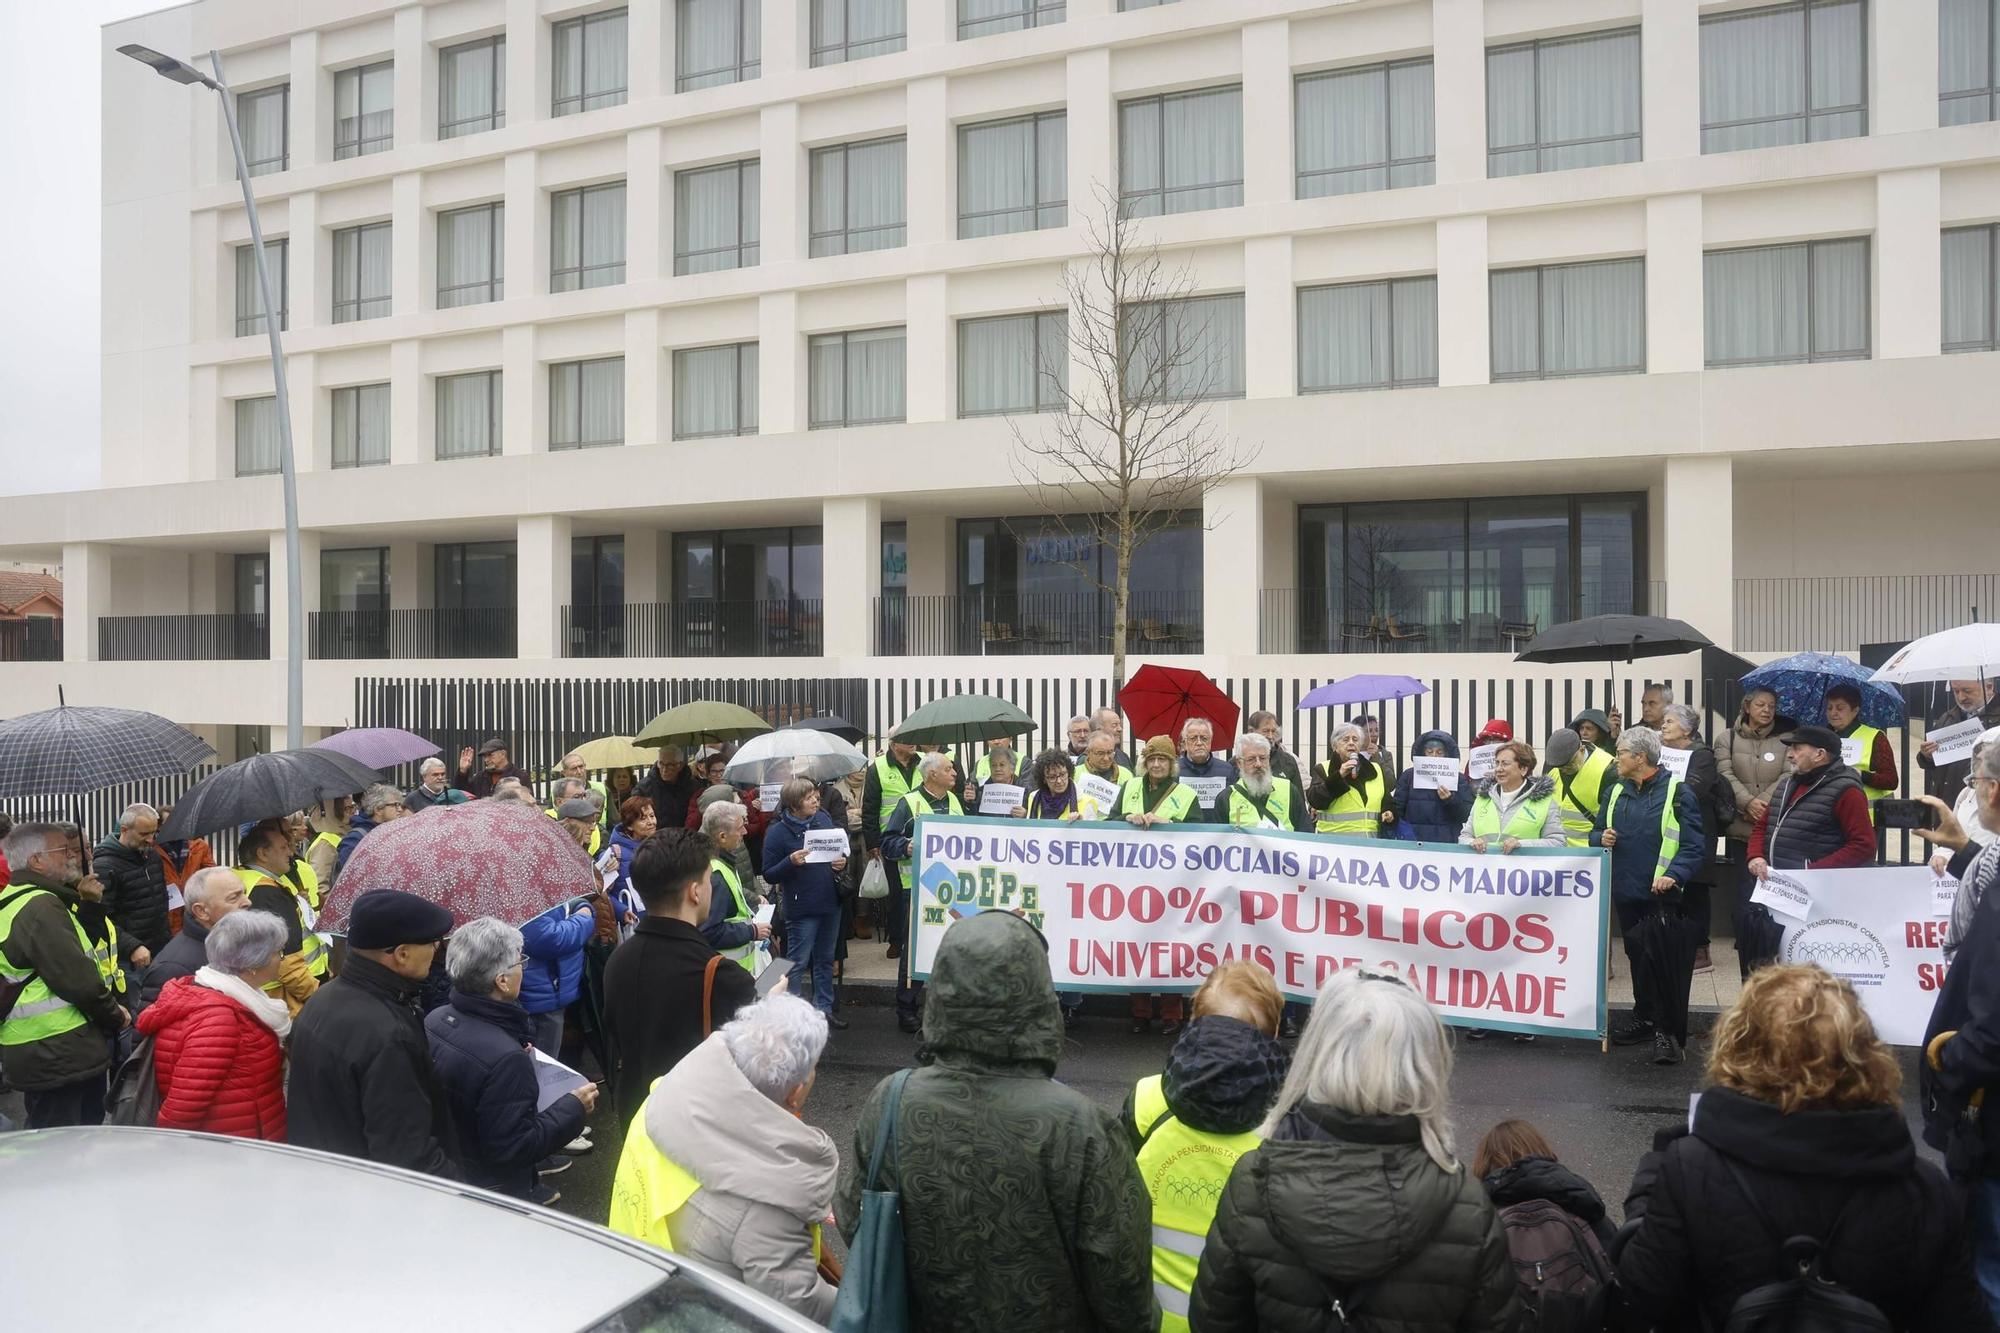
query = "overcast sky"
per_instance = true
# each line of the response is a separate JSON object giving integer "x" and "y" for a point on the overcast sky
{"x": 48, "y": 233}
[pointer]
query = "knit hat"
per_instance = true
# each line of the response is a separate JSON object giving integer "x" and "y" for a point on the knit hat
{"x": 1562, "y": 747}
{"x": 1496, "y": 729}
{"x": 385, "y": 918}
{"x": 1159, "y": 745}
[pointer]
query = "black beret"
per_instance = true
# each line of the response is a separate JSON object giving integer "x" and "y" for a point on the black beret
{"x": 385, "y": 918}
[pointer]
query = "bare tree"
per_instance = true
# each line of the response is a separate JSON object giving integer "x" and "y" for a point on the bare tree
{"x": 1131, "y": 447}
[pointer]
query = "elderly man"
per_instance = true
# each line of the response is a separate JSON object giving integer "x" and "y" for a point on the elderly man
{"x": 1283, "y": 764}
{"x": 1970, "y": 699}
{"x": 212, "y": 894}
{"x": 670, "y": 786}
{"x": 1582, "y": 772}
{"x": 1205, "y": 772}
{"x": 432, "y": 788}
{"x": 937, "y": 795}
{"x": 264, "y": 857}
{"x": 890, "y": 778}
{"x": 573, "y": 766}
{"x": 135, "y": 880}
{"x": 1651, "y": 825}
{"x": 1817, "y": 819}
{"x": 1259, "y": 798}
{"x": 1108, "y": 721}
{"x": 494, "y": 765}
{"x": 380, "y": 804}
{"x": 1100, "y": 760}
{"x": 55, "y": 1042}
{"x": 1078, "y": 734}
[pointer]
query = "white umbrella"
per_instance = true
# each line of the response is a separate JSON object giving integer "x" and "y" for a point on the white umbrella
{"x": 818, "y": 755}
{"x": 1965, "y": 653}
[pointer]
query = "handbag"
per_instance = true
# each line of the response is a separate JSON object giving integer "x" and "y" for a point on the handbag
{"x": 875, "y": 881}
{"x": 135, "y": 1089}
{"x": 874, "y": 1288}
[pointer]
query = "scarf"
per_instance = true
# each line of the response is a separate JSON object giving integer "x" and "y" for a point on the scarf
{"x": 1045, "y": 804}
{"x": 269, "y": 1011}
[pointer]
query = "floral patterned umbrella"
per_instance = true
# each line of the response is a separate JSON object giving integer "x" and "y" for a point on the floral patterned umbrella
{"x": 484, "y": 858}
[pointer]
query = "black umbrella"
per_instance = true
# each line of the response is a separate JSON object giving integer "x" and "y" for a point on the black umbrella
{"x": 66, "y": 751}
{"x": 831, "y": 723}
{"x": 265, "y": 786}
{"x": 1663, "y": 944}
{"x": 1613, "y": 639}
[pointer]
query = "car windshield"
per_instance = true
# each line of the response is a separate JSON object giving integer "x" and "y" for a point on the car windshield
{"x": 680, "y": 1304}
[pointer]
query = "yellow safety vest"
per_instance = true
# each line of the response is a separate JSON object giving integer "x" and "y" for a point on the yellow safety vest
{"x": 1184, "y": 1170}
{"x": 1583, "y": 795}
{"x": 1243, "y": 810}
{"x": 1524, "y": 821}
{"x": 744, "y": 956}
{"x": 1867, "y": 735}
{"x": 1357, "y": 813}
{"x": 920, "y": 806}
{"x": 650, "y": 1187}
{"x": 1176, "y": 805}
{"x": 1670, "y": 823}
{"x": 38, "y": 1012}
{"x": 312, "y": 949}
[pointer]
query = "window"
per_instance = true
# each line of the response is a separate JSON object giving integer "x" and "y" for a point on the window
{"x": 474, "y": 591}
{"x": 1179, "y": 350}
{"x": 354, "y": 580}
{"x": 1562, "y": 103}
{"x": 596, "y": 614}
{"x": 468, "y": 415}
{"x": 844, "y": 30}
{"x": 471, "y": 248}
{"x": 716, "y": 42}
{"x": 1968, "y": 56}
{"x": 857, "y": 197}
{"x": 361, "y": 268}
{"x": 856, "y": 379}
{"x": 1791, "y": 74}
{"x": 1365, "y": 129}
{"x": 1971, "y": 289}
{"x": 1368, "y": 335}
{"x": 1774, "y": 305}
{"x": 361, "y": 425}
{"x": 1180, "y": 152}
{"x": 1569, "y": 319}
{"x": 1044, "y": 578}
{"x": 716, "y": 217}
{"x": 588, "y": 63}
{"x": 249, "y": 296}
{"x": 587, "y": 237}
{"x": 1016, "y": 363}
{"x": 263, "y": 120}
{"x": 256, "y": 436}
{"x": 587, "y": 403}
{"x": 983, "y": 18}
{"x": 715, "y": 391}
{"x": 472, "y": 87}
{"x": 1013, "y": 175}
{"x": 251, "y": 584}
{"x": 364, "y": 110}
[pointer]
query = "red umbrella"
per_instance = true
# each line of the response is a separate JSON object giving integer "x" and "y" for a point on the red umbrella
{"x": 483, "y": 858}
{"x": 1158, "y": 699}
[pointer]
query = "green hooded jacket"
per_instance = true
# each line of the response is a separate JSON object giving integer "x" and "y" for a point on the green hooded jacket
{"x": 1022, "y": 1207}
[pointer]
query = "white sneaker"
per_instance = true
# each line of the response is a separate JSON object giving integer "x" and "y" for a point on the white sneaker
{"x": 577, "y": 1146}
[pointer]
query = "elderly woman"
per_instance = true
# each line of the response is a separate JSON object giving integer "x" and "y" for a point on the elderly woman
{"x": 729, "y": 928}
{"x": 1348, "y": 790}
{"x": 719, "y": 1166}
{"x": 1000, "y": 768}
{"x": 479, "y": 1048}
{"x": 1680, "y": 729}
{"x": 1157, "y": 796}
{"x": 809, "y": 893}
{"x": 1354, "y": 1195}
{"x": 636, "y": 823}
{"x": 1514, "y": 808}
{"x": 218, "y": 1039}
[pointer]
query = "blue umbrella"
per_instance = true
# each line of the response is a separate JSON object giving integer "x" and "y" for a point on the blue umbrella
{"x": 1363, "y": 690}
{"x": 1802, "y": 680}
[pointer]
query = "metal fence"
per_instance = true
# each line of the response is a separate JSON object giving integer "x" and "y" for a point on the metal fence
{"x": 1841, "y": 614}
{"x": 96, "y": 813}
{"x": 435, "y": 633}
{"x": 189, "y": 638}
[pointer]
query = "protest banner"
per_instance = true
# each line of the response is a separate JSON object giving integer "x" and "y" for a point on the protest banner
{"x": 1878, "y": 927}
{"x": 1509, "y": 942}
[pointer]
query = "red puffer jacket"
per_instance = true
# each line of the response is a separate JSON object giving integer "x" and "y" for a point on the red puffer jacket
{"x": 220, "y": 1069}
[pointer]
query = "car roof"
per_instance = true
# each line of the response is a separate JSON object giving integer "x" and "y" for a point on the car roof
{"x": 238, "y": 1233}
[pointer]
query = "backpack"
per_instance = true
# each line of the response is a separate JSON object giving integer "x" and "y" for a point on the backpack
{"x": 1804, "y": 1300}
{"x": 1564, "y": 1278}
{"x": 135, "y": 1089}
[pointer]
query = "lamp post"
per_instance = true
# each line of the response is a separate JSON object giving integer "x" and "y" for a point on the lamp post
{"x": 181, "y": 72}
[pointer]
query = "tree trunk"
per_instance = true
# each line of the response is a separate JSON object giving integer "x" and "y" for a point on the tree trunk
{"x": 1121, "y": 601}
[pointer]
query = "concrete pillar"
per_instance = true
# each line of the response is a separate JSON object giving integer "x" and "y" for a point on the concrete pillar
{"x": 1268, "y": 168}
{"x": 851, "y": 555}
{"x": 646, "y": 378}
{"x": 412, "y": 575}
{"x": 1270, "y": 321}
{"x": 311, "y": 134}
{"x": 1232, "y": 565}
{"x": 649, "y": 51}
{"x": 412, "y": 404}
{"x": 1675, "y": 339}
{"x": 785, "y": 41}
{"x": 527, "y": 63}
{"x": 928, "y": 156}
{"x": 782, "y": 186}
{"x": 1698, "y": 509}
{"x": 1464, "y": 335}
{"x": 1902, "y": 67}
{"x": 1670, "y": 64}
{"x": 412, "y": 247}
{"x": 308, "y": 275}
{"x": 211, "y": 269}
{"x": 526, "y": 267}
{"x": 312, "y": 441}
{"x": 542, "y": 583}
{"x": 781, "y": 364}
{"x": 933, "y": 550}
{"x": 205, "y": 422}
{"x": 87, "y": 580}
{"x": 924, "y": 24}
{"x": 1092, "y": 156}
{"x": 416, "y": 80}
{"x": 645, "y": 580}
{"x": 309, "y": 548}
{"x": 524, "y": 393}
{"x": 930, "y": 350}
{"x": 1458, "y": 44}
{"x": 645, "y": 236}
{"x": 1907, "y": 261}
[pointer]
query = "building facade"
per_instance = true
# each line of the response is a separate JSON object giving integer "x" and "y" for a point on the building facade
{"x": 699, "y": 337}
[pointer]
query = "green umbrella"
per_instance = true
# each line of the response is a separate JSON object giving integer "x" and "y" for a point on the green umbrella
{"x": 963, "y": 718}
{"x": 701, "y": 722}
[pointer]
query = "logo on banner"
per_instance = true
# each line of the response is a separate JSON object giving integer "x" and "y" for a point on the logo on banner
{"x": 1845, "y": 948}
{"x": 968, "y": 892}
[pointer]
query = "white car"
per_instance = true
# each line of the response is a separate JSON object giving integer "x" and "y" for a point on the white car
{"x": 164, "y": 1230}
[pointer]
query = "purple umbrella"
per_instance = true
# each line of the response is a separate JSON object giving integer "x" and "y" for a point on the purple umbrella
{"x": 1363, "y": 690}
{"x": 378, "y": 747}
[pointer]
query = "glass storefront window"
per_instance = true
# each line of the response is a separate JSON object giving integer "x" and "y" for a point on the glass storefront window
{"x": 750, "y": 591}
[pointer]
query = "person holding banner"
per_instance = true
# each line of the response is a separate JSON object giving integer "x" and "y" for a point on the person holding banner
{"x": 1433, "y": 798}
{"x": 1513, "y": 809}
{"x": 1260, "y": 799}
{"x": 1347, "y": 789}
{"x": 1206, "y": 772}
{"x": 1283, "y": 765}
{"x": 1160, "y": 797}
{"x": 936, "y": 795}
{"x": 1876, "y": 764}
{"x": 1051, "y": 793}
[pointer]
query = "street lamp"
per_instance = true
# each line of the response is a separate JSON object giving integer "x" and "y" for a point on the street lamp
{"x": 181, "y": 72}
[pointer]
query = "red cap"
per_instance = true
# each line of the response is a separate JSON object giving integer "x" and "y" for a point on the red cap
{"x": 1496, "y": 729}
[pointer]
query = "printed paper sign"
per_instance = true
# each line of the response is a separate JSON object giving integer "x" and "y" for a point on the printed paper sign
{"x": 1850, "y": 753}
{"x": 824, "y": 845}
{"x": 1783, "y": 895}
{"x": 767, "y": 796}
{"x": 1955, "y": 741}
{"x": 1479, "y": 762}
{"x": 1675, "y": 761}
{"x": 1944, "y": 897}
{"x": 1001, "y": 798}
{"x": 1096, "y": 797}
{"x": 1207, "y": 789}
{"x": 1432, "y": 772}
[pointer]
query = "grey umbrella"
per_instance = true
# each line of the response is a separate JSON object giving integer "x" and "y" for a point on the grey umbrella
{"x": 265, "y": 786}
{"x": 65, "y": 751}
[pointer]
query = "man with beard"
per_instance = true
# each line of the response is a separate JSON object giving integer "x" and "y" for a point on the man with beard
{"x": 1258, "y": 799}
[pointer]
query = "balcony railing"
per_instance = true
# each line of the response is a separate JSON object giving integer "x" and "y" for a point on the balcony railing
{"x": 1841, "y": 614}
{"x": 347, "y": 635}
{"x": 1034, "y": 624}
{"x": 698, "y": 627}
{"x": 1309, "y": 620}
{"x": 39, "y": 639}
{"x": 191, "y": 638}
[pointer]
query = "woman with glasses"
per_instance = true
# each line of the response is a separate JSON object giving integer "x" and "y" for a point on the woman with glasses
{"x": 479, "y": 1046}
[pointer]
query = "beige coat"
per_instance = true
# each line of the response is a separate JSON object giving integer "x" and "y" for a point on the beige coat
{"x": 1751, "y": 761}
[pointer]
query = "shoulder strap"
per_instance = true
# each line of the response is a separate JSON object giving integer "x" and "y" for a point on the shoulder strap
{"x": 885, "y": 1131}
{"x": 708, "y": 995}
{"x": 1770, "y": 1226}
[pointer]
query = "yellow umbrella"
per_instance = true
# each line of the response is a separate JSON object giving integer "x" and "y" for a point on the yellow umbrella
{"x": 614, "y": 752}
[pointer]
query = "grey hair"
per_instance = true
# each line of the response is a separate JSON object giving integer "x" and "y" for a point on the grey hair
{"x": 793, "y": 794}
{"x": 135, "y": 812}
{"x": 565, "y": 788}
{"x": 1197, "y": 721}
{"x": 1642, "y": 741}
{"x": 197, "y": 890}
{"x": 1080, "y": 717}
{"x": 1373, "y": 1046}
{"x": 480, "y": 951}
{"x": 776, "y": 1042}
{"x": 244, "y": 941}
{"x": 377, "y": 796}
{"x": 931, "y": 762}
{"x": 1666, "y": 691}
{"x": 1685, "y": 715}
{"x": 573, "y": 754}
{"x": 1251, "y": 742}
{"x": 671, "y": 752}
{"x": 27, "y": 840}
{"x": 721, "y": 814}
{"x": 511, "y": 790}
{"x": 1340, "y": 731}
{"x": 431, "y": 763}
{"x": 1989, "y": 763}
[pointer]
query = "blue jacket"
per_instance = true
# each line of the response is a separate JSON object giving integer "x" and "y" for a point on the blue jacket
{"x": 1423, "y": 817}
{"x": 807, "y": 890}
{"x": 479, "y": 1050}
{"x": 1216, "y": 767}
{"x": 358, "y": 827}
{"x": 627, "y": 847}
{"x": 1635, "y": 860}
{"x": 554, "y": 944}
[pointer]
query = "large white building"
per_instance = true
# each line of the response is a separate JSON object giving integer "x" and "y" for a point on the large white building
{"x": 694, "y": 333}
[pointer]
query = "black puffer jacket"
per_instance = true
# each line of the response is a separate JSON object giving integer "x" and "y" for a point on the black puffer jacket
{"x": 1221, "y": 1078}
{"x": 1346, "y": 1206}
{"x": 479, "y": 1048}
{"x": 1901, "y": 1237}
{"x": 135, "y": 893}
{"x": 1545, "y": 1178}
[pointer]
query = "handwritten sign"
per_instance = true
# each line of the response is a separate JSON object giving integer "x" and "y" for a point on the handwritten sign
{"x": 1479, "y": 763}
{"x": 1096, "y": 797}
{"x": 1675, "y": 761}
{"x": 767, "y": 796}
{"x": 1433, "y": 771}
{"x": 1000, "y": 798}
{"x": 825, "y": 845}
{"x": 1207, "y": 789}
{"x": 1955, "y": 742}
